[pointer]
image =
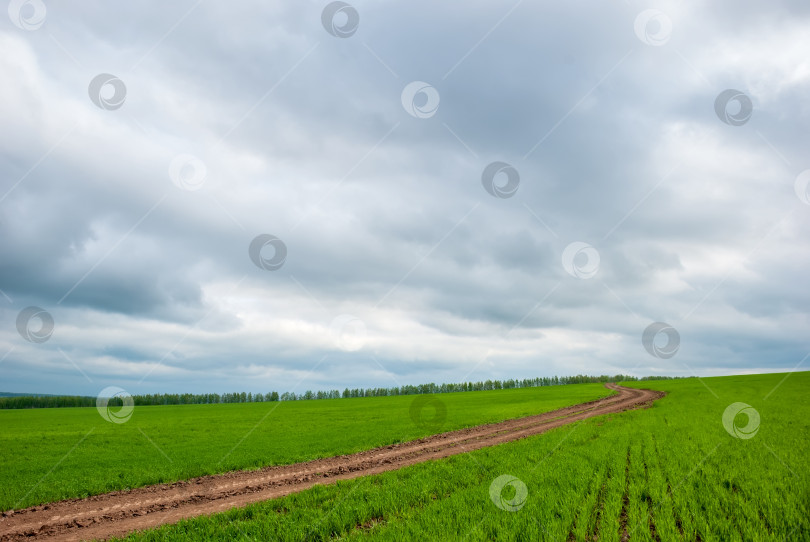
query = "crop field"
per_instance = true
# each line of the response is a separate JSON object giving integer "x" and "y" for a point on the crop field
{"x": 685, "y": 469}
{"x": 52, "y": 454}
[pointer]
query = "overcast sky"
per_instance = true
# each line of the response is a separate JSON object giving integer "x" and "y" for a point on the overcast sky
{"x": 206, "y": 197}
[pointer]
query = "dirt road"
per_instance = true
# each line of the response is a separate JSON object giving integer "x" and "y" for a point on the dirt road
{"x": 121, "y": 512}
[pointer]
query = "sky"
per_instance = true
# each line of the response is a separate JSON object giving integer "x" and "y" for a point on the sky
{"x": 200, "y": 196}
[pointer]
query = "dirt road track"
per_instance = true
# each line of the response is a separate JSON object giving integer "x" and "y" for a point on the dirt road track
{"x": 121, "y": 512}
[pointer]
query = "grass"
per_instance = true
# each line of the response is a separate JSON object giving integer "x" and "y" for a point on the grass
{"x": 53, "y": 454}
{"x": 671, "y": 472}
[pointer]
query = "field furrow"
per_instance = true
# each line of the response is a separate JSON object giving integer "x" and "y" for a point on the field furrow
{"x": 673, "y": 471}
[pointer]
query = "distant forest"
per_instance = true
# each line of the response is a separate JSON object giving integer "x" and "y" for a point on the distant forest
{"x": 58, "y": 401}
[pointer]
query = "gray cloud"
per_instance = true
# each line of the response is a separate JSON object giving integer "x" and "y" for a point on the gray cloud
{"x": 303, "y": 136}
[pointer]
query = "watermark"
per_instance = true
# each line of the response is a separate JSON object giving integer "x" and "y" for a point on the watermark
{"x": 340, "y": 19}
{"x": 750, "y": 429}
{"x": 29, "y": 330}
{"x": 119, "y": 397}
{"x": 801, "y": 186}
{"x": 27, "y": 14}
{"x": 348, "y": 332}
{"x": 733, "y": 107}
{"x": 580, "y": 260}
{"x": 496, "y": 493}
{"x": 107, "y": 91}
{"x": 428, "y": 412}
{"x": 501, "y": 190}
{"x": 187, "y": 172}
{"x": 652, "y": 332}
{"x": 420, "y": 99}
{"x": 653, "y": 27}
{"x": 259, "y": 244}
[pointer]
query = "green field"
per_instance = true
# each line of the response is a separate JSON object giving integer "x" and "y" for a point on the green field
{"x": 671, "y": 472}
{"x": 58, "y": 453}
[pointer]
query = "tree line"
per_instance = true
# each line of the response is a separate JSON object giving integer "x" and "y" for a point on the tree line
{"x": 59, "y": 401}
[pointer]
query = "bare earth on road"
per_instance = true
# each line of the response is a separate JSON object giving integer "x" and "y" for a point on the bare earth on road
{"x": 121, "y": 512}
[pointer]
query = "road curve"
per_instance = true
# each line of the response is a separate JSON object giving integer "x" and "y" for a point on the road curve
{"x": 121, "y": 512}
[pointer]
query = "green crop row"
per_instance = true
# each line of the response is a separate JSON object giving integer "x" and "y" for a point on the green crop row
{"x": 674, "y": 471}
{"x": 52, "y": 454}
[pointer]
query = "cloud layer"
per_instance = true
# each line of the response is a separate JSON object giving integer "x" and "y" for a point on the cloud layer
{"x": 622, "y": 194}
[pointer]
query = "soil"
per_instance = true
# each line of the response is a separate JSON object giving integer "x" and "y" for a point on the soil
{"x": 121, "y": 512}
